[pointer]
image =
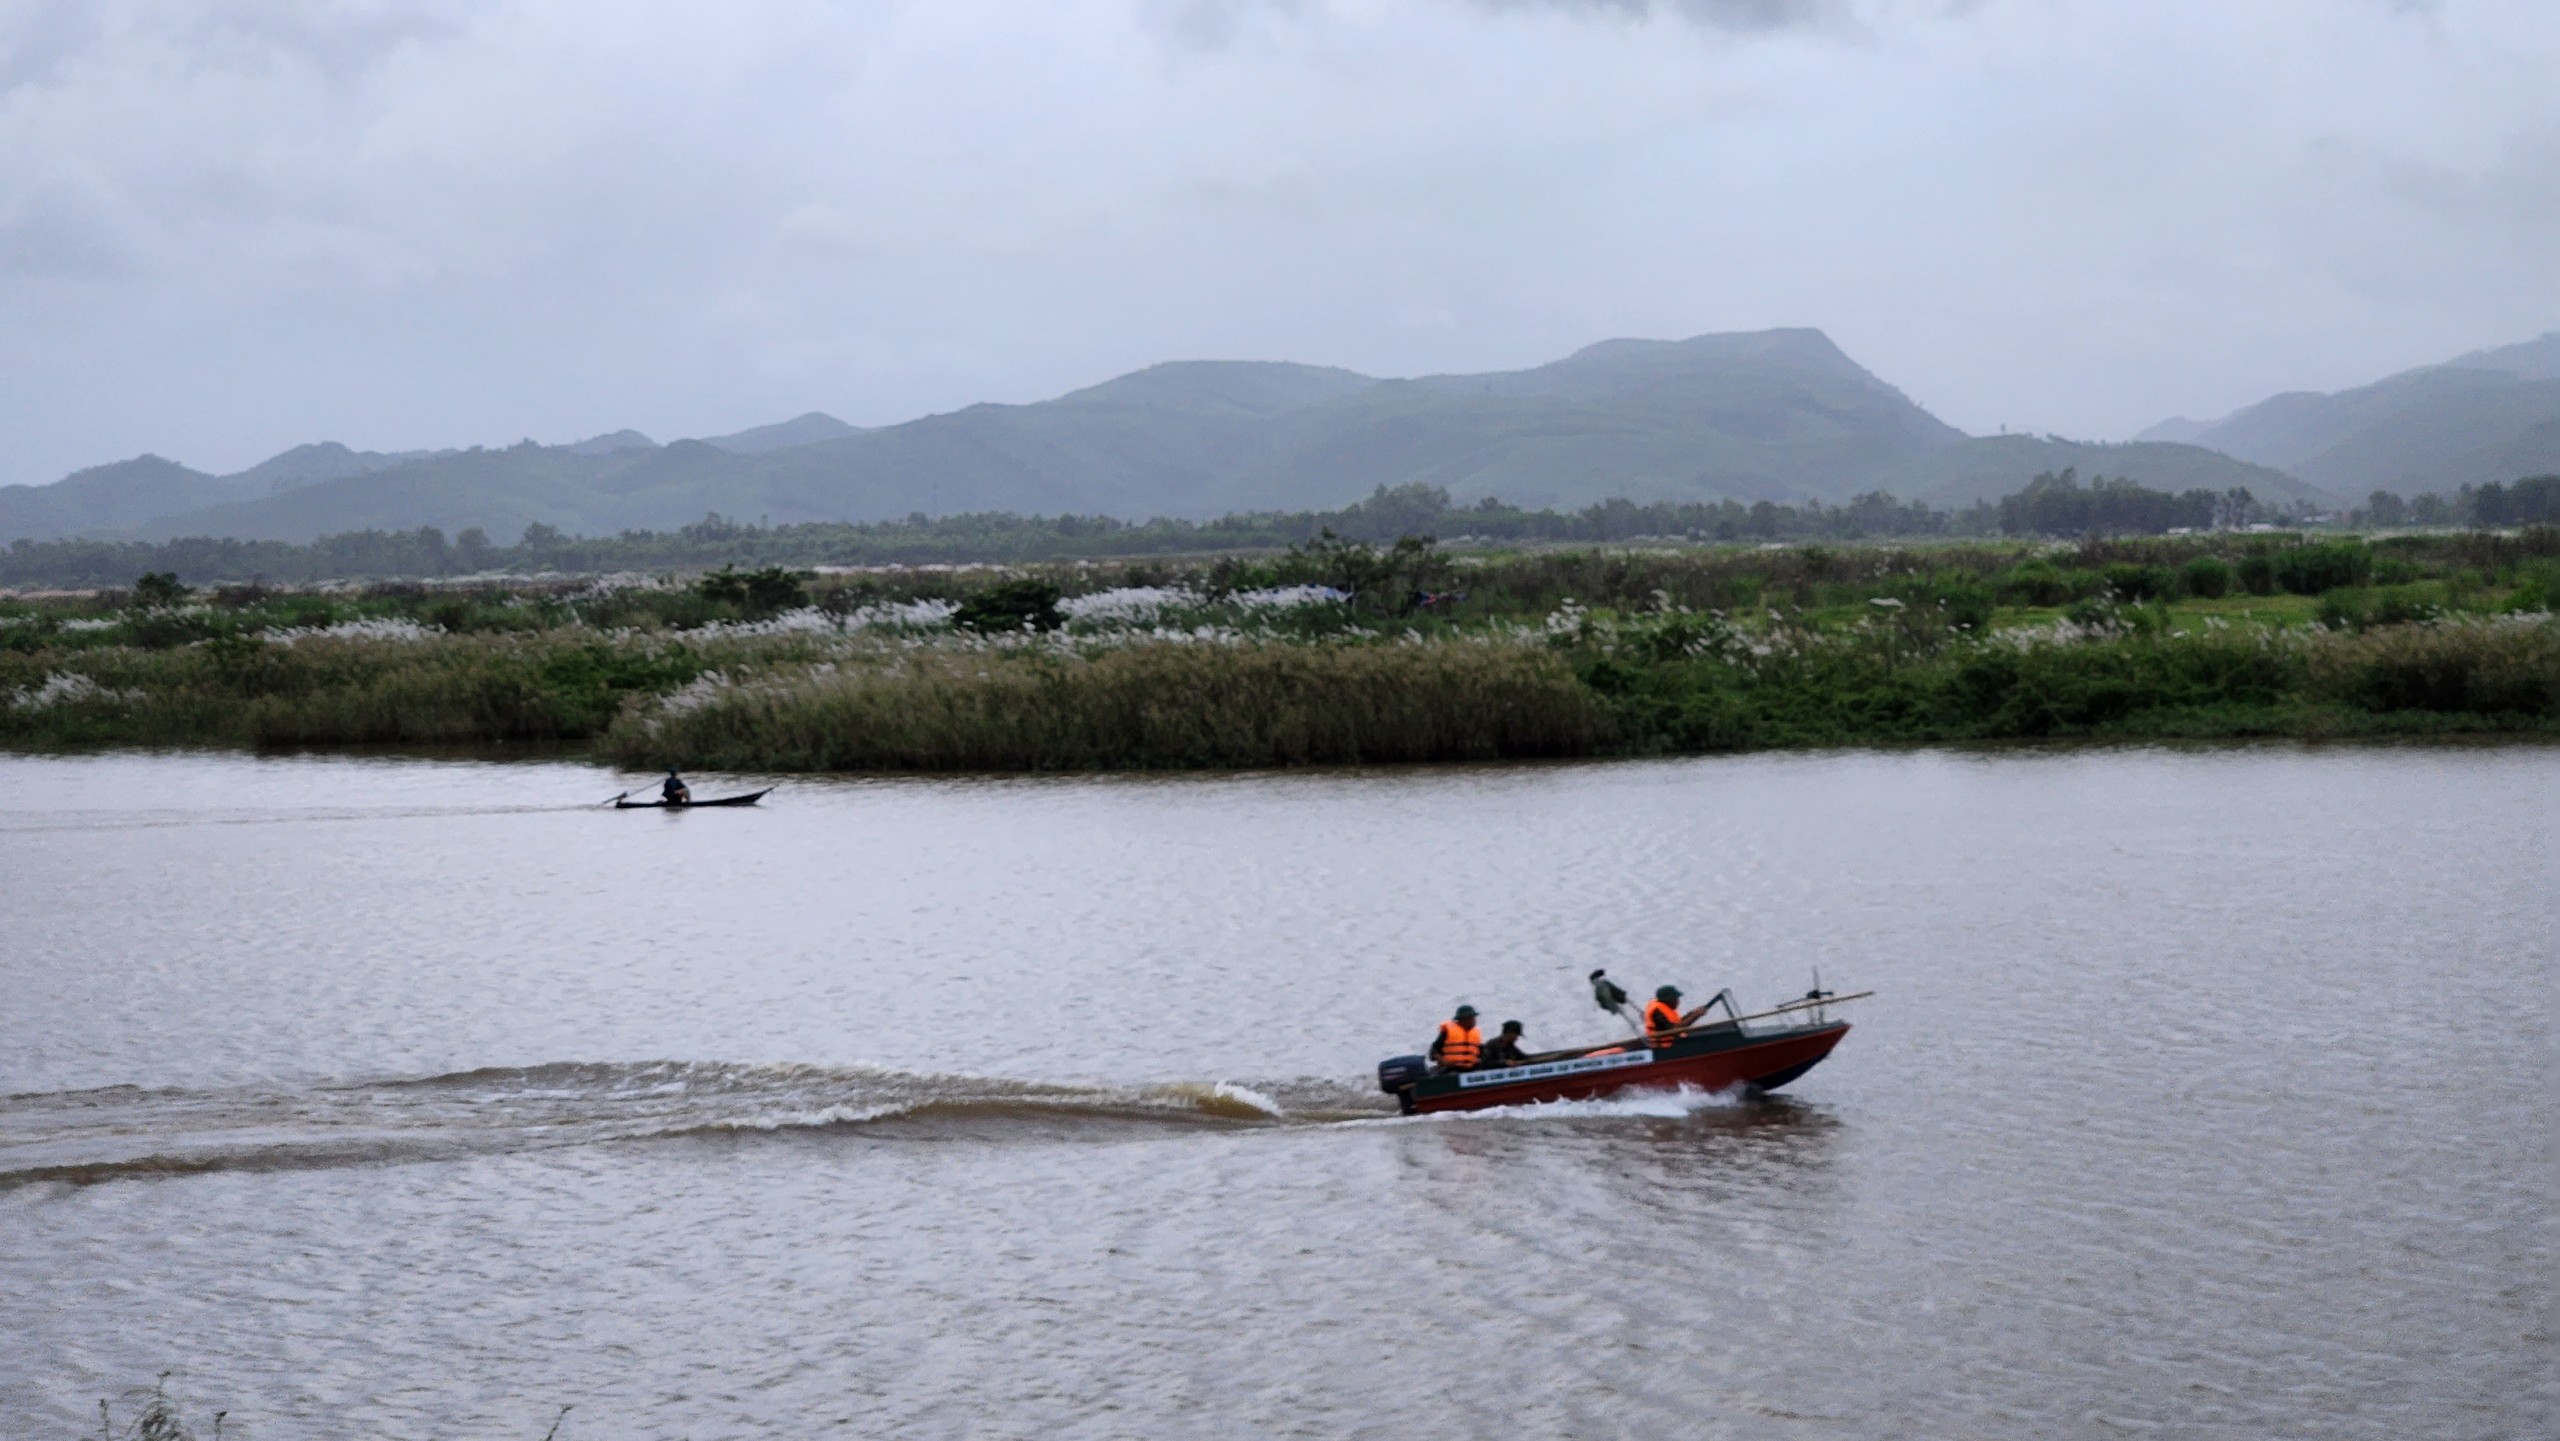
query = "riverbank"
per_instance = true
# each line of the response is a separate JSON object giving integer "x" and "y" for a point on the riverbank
{"x": 1352, "y": 656}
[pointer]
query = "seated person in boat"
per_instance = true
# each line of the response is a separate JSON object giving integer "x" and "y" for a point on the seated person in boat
{"x": 1662, "y": 1014}
{"x": 1504, "y": 1049}
{"x": 672, "y": 790}
{"x": 1459, "y": 1046}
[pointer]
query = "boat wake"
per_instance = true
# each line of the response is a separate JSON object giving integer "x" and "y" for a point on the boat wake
{"x": 86, "y": 1137}
{"x": 1653, "y": 1103}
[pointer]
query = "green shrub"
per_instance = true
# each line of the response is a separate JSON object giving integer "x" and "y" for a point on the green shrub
{"x": 2537, "y": 586}
{"x": 2256, "y": 573}
{"x": 2096, "y": 610}
{"x": 638, "y": 609}
{"x": 2039, "y": 583}
{"x": 2341, "y": 609}
{"x": 2348, "y": 608}
{"x": 2141, "y": 582}
{"x": 1011, "y": 605}
{"x": 2033, "y": 582}
{"x": 2399, "y": 605}
{"x": 2323, "y": 567}
{"x": 1965, "y": 605}
{"x": 164, "y": 629}
{"x": 756, "y": 593}
{"x": 2206, "y": 575}
{"x": 587, "y": 684}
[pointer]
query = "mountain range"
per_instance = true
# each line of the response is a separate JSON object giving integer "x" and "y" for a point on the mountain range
{"x": 1776, "y": 415}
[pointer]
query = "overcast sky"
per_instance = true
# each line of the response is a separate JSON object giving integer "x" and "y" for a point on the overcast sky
{"x": 226, "y": 228}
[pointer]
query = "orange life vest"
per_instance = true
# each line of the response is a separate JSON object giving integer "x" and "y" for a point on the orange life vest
{"x": 1660, "y": 1016}
{"x": 1460, "y": 1046}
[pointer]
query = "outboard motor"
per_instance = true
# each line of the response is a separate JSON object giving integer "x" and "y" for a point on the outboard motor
{"x": 1396, "y": 1073}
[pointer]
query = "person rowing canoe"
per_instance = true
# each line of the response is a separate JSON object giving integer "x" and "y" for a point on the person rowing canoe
{"x": 673, "y": 790}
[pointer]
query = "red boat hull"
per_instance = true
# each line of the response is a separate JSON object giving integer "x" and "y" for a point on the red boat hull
{"x": 1767, "y": 1063}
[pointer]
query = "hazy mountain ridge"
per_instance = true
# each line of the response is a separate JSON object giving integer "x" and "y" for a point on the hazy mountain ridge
{"x": 2535, "y": 359}
{"x": 1778, "y": 415}
{"x": 326, "y": 460}
{"x": 806, "y": 429}
{"x": 111, "y": 498}
{"x": 2468, "y": 421}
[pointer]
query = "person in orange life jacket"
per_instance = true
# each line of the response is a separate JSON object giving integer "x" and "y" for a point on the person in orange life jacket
{"x": 1459, "y": 1046}
{"x": 1662, "y": 1014}
{"x": 1504, "y": 1049}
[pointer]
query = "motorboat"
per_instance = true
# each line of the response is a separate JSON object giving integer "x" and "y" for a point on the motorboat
{"x": 1764, "y": 1051}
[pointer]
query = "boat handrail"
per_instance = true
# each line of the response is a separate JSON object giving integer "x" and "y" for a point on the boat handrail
{"x": 1737, "y": 1022}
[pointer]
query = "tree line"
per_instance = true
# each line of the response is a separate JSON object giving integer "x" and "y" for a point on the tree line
{"x": 2534, "y": 500}
{"x": 2053, "y": 504}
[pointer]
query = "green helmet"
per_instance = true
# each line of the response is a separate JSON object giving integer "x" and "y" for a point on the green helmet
{"x": 1466, "y": 1013}
{"x": 1668, "y": 995}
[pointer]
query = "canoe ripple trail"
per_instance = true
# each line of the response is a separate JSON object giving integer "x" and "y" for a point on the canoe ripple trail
{"x": 127, "y": 1132}
{"x": 119, "y": 821}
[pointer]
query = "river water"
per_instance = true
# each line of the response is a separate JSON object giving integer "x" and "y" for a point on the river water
{"x": 2206, "y": 1094}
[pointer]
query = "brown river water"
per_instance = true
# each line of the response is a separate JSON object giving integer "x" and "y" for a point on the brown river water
{"x": 2206, "y": 1094}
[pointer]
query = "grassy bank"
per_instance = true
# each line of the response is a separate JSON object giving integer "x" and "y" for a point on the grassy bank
{"x": 1747, "y": 693}
{"x": 1333, "y": 653}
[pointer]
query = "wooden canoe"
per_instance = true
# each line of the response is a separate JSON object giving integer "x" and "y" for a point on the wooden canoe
{"x": 745, "y": 800}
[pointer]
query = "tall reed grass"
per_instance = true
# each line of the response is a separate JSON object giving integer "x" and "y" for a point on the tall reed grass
{"x": 2461, "y": 666}
{"x": 1158, "y": 704}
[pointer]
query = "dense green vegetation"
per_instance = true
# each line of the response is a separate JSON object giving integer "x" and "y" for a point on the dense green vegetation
{"x": 2055, "y": 504}
{"x": 1334, "y": 650}
{"x": 993, "y": 538}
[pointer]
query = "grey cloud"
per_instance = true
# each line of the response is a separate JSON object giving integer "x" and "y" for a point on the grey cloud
{"x": 227, "y": 227}
{"x": 1739, "y": 15}
{"x": 44, "y": 41}
{"x": 63, "y": 235}
{"x": 40, "y": 37}
{"x": 1215, "y": 24}
{"x": 342, "y": 41}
